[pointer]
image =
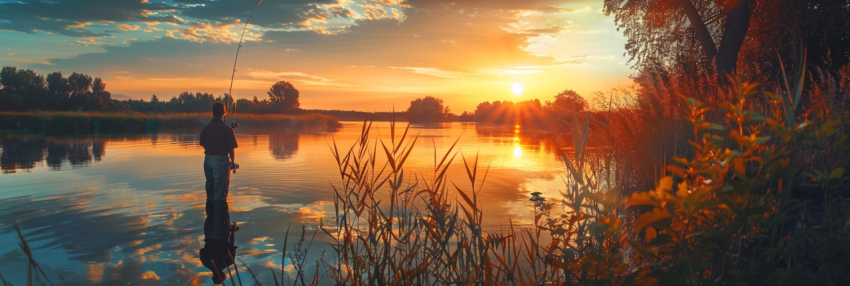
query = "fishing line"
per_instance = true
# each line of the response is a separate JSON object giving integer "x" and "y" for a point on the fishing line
{"x": 230, "y": 99}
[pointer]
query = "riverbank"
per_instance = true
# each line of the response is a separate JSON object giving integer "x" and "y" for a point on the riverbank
{"x": 59, "y": 123}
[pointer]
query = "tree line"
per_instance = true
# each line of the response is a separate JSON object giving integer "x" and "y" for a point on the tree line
{"x": 528, "y": 113}
{"x": 24, "y": 89}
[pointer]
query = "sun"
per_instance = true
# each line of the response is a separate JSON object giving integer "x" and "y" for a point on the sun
{"x": 517, "y": 89}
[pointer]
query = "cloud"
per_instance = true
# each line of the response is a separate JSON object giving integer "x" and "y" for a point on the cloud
{"x": 10, "y": 54}
{"x": 435, "y": 72}
{"x": 488, "y": 4}
{"x": 125, "y": 27}
{"x": 88, "y": 41}
{"x": 553, "y": 9}
{"x": 215, "y": 33}
{"x": 272, "y": 13}
{"x": 509, "y": 72}
{"x": 299, "y": 76}
{"x": 78, "y": 25}
{"x": 341, "y": 11}
{"x": 71, "y": 17}
{"x": 551, "y": 30}
{"x": 419, "y": 40}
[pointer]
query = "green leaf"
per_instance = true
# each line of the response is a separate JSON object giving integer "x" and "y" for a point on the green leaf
{"x": 715, "y": 126}
{"x": 799, "y": 76}
{"x": 837, "y": 173}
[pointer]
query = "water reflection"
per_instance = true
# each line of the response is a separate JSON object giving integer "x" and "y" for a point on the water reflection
{"x": 219, "y": 238}
{"x": 283, "y": 145}
{"x": 140, "y": 215}
{"x": 23, "y": 153}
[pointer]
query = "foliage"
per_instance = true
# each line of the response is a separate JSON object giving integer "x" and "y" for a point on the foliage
{"x": 25, "y": 90}
{"x": 553, "y": 115}
{"x": 184, "y": 102}
{"x": 283, "y": 96}
{"x": 703, "y": 35}
{"x": 426, "y": 110}
{"x": 567, "y": 100}
{"x": 762, "y": 199}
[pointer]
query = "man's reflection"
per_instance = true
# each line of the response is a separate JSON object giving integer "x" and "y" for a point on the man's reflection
{"x": 219, "y": 250}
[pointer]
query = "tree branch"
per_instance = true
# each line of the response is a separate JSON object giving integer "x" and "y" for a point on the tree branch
{"x": 699, "y": 27}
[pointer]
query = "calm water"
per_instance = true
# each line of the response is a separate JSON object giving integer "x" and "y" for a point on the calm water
{"x": 130, "y": 210}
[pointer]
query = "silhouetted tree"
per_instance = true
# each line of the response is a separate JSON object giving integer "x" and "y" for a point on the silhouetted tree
{"x": 284, "y": 97}
{"x": 567, "y": 100}
{"x": 427, "y": 109}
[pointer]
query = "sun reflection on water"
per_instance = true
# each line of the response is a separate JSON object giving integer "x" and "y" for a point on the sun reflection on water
{"x": 517, "y": 152}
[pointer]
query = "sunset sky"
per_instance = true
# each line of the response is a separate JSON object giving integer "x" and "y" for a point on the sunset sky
{"x": 341, "y": 54}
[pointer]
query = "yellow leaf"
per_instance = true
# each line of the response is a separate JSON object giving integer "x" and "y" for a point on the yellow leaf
{"x": 665, "y": 184}
{"x": 648, "y": 218}
{"x": 683, "y": 190}
{"x": 640, "y": 199}
{"x": 676, "y": 171}
{"x": 740, "y": 166}
{"x": 650, "y": 234}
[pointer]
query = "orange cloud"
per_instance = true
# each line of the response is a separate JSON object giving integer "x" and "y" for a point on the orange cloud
{"x": 201, "y": 32}
{"x": 125, "y": 27}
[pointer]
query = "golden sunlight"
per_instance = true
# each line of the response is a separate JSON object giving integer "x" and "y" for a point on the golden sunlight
{"x": 517, "y": 152}
{"x": 517, "y": 89}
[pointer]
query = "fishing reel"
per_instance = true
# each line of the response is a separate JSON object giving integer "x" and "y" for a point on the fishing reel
{"x": 234, "y": 125}
{"x": 234, "y": 167}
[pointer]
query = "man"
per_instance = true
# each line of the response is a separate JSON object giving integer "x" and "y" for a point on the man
{"x": 218, "y": 141}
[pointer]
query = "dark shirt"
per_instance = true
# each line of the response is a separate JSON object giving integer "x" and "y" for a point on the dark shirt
{"x": 218, "y": 138}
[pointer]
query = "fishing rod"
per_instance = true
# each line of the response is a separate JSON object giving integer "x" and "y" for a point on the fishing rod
{"x": 230, "y": 100}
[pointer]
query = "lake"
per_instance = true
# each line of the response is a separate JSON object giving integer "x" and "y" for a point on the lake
{"x": 130, "y": 209}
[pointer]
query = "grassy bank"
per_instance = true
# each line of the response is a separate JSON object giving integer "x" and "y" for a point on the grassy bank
{"x": 60, "y": 123}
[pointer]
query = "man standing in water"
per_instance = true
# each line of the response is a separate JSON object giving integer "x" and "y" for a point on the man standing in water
{"x": 218, "y": 141}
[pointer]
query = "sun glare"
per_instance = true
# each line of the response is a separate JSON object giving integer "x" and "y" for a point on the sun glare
{"x": 517, "y": 152}
{"x": 517, "y": 89}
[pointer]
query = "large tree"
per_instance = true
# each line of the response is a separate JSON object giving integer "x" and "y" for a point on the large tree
{"x": 284, "y": 96}
{"x": 713, "y": 33}
{"x": 567, "y": 100}
{"x": 670, "y": 30}
{"x": 427, "y": 109}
